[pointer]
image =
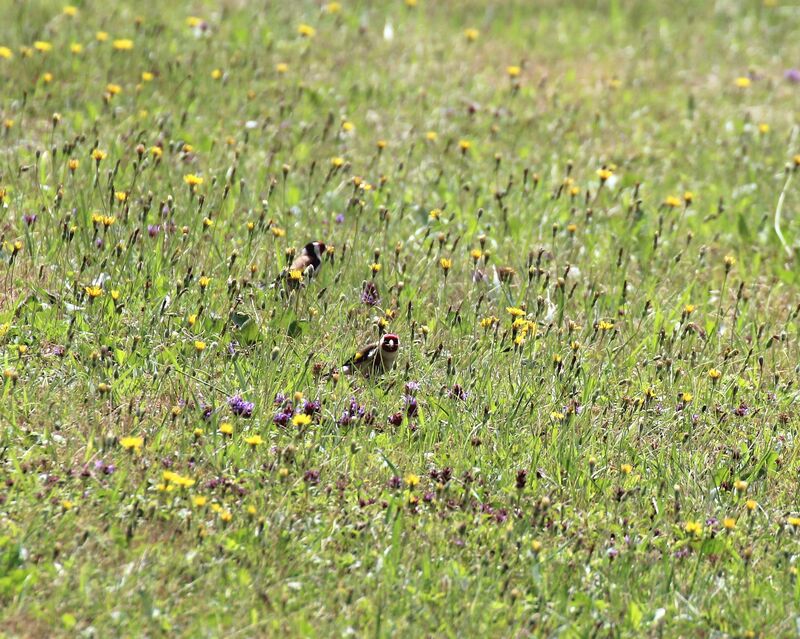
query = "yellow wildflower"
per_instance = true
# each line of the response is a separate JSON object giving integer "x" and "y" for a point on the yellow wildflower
{"x": 123, "y": 44}
{"x": 226, "y": 428}
{"x": 301, "y": 420}
{"x": 306, "y": 31}
{"x": 132, "y": 443}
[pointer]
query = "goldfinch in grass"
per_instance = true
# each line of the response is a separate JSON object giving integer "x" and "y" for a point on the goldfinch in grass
{"x": 375, "y": 359}
{"x": 310, "y": 259}
{"x": 305, "y": 266}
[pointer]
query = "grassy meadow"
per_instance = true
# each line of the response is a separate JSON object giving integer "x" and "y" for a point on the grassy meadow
{"x": 580, "y": 218}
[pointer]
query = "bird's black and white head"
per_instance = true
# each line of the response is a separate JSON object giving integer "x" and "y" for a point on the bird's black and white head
{"x": 315, "y": 250}
{"x": 390, "y": 343}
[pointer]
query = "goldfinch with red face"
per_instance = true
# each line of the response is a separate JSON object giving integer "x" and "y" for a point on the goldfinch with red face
{"x": 375, "y": 359}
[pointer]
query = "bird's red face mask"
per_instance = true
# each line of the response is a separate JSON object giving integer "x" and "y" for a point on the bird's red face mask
{"x": 390, "y": 343}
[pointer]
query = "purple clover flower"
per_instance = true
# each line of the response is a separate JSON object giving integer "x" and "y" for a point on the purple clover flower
{"x": 412, "y": 408}
{"x": 240, "y": 407}
{"x": 352, "y": 412}
{"x": 312, "y": 407}
{"x": 792, "y": 75}
{"x": 370, "y": 295}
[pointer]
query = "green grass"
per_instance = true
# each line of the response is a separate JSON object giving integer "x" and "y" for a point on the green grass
{"x": 659, "y": 499}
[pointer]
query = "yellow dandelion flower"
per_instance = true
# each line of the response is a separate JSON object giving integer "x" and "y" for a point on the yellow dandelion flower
{"x": 123, "y": 44}
{"x": 306, "y": 31}
{"x": 693, "y": 528}
{"x": 333, "y": 7}
{"x": 742, "y": 82}
{"x": 672, "y": 201}
{"x": 226, "y": 428}
{"x": 714, "y": 373}
{"x": 101, "y": 36}
{"x": 446, "y": 264}
{"x": 513, "y": 70}
{"x": 199, "y": 501}
{"x": 216, "y": 74}
{"x": 6, "y": 53}
{"x": 301, "y": 420}
{"x": 281, "y": 67}
{"x": 192, "y": 180}
{"x": 93, "y": 291}
{"x": 471, "y": 34}
{"x": 42, "y": 46}
{"x": 431, "y": 136}
{"x": 76, "y": 48}
{"x": 626, "y": 469}
{"x": 604, "y": 174}
{"x": 412, "y": 480}
{"x": 132, "y": 443}
{"x": 515, "y": 311}
{"x": 254, "y": 440}
{"x": 729, "y": 523}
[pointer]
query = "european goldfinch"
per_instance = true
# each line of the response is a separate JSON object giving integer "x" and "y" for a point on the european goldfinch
{"x": 375, "y": 359}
